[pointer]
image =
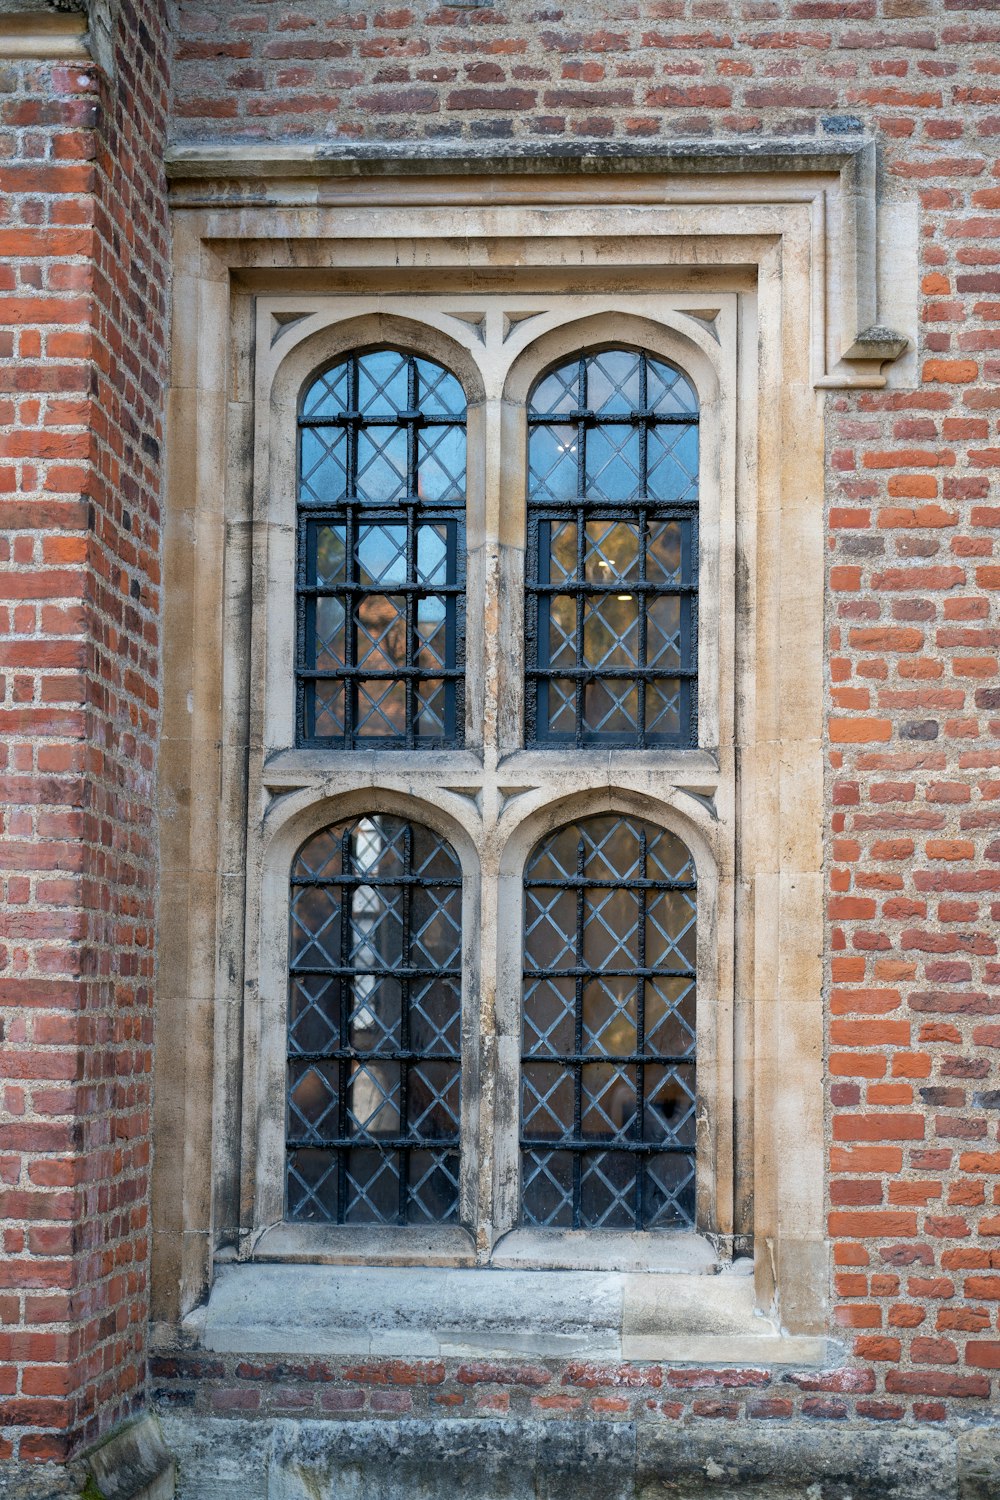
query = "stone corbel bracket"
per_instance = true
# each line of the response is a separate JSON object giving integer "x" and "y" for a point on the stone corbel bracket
{"x": 863, "y": 301}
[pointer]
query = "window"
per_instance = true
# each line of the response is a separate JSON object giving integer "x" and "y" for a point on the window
{"x": 501, "y": 955}
{"x": 608, "y": 1028}
{"x": 381, "y": 568}
{"x": 612, "y": 553}
{"x": 279, "y": 284}
{"x": 374, "y": 1071}
{"x": 608, "y": 1064}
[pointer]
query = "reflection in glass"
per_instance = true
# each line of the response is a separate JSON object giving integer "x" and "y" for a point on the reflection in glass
{"x": 608, "y": 1088}
{"x": 611, "y": 586}
{"x": 381, "y": 593}
{"x": 374, "y": 1026}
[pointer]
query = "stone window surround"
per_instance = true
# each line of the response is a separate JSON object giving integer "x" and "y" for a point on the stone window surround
{"x": 769, "y": 234}
{"x": 493, "y": 801}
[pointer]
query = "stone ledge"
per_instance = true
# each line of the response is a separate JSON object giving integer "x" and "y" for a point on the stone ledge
{"x": 133, "y": 1463}
{"x": 440, "y": 1313}
{"x": 43, "y": 34}
{"x": 254, "y": 158}
{"x": 480, "y": 1458}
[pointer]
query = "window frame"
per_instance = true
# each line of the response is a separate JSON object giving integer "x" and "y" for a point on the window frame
{"x": 260, "y": 245}
{"x": 496, "y": 523}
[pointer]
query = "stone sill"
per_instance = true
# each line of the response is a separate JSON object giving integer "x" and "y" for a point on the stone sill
{"x": 439, "y": 1313}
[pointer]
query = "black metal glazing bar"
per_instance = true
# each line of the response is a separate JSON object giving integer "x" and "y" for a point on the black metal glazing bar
{"x": 373, "y": 1054}
{"x": 404, "y": 1021}
{"x": 610, "y": 1144}
{"x": 622, "y": 1059}
{"x": 636, "y": 418}
{"x": 633, "y": 883}
{"x": 443, "y": 881}
{"x": 579, "y": 689}
{"x": 383, "y": 972}
{"x": 442, "y": 1145}
{"x": 640, "y": 1028}
{"x": 346, "y": 989}
{"x": 581, "y": 899}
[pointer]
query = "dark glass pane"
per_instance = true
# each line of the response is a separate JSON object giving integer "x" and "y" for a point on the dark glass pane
{"x": 558, "y": 393}
{"x": 612, "y": 552}
{"x": 673, "y": 463}
{"x": 433, "y": 1187}
{"x": 439, "y": 394}
{"x": 383, "y": 448}
{"x": 607, "y": 1189}
{"x": 374, "y": 1023}
{"x": 624, "y": 445}
{"x": 608, "y": 1028}
{"x": 610, "y": 706}
{"x": 611, "y": 631}
{"x": 609, "y": 1015}
{"x": 329, "y": 395}
{"x": 559, "y": 551}
{"x": 552, "y": 463}
{"x": 669, "y": 392}
{"x": 547, "y": 1188}
{"x": 562, "y": 631}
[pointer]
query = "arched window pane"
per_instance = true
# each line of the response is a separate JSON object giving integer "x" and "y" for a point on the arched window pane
{"x": 381, "y": 583}
{"x": 612, "y": 571}
{"x": 374, "y": 1026}
{"x": 608, "y": 1029}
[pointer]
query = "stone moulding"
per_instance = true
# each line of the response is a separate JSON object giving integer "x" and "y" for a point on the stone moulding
{"x": 44, "y": 34}
{"x": 854, "y": 304}
{"x": 775, "y": 261}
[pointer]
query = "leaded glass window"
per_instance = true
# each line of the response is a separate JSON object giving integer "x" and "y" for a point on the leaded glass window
{"x": 612, "y": 559}
{"x": 381, "y": 559}
{"x": 608, "y": 1030}
{"x": 374, "y": 1021}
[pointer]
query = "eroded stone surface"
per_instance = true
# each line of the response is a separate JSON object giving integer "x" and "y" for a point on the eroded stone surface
{"x": 508, "y": 1459}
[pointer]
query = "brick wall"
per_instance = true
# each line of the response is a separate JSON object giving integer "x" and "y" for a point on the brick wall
{"x": 914, "y": 848}
{"x": 914, "y": 692}
{"x": 83, "y": 289}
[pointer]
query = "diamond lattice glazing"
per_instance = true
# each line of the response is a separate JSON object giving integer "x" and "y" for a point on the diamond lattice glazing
{"x": 381, "y": 567}
{"x": 374, "y": 1071}
{"x": 608, "y": 1041}
{"x": 612, "y": 585}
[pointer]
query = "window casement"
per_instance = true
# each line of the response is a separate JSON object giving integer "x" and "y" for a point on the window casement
{"x": 584, "y": 916}
{"x": 608, "y": 1095}
{"x": 381, "y": 566}
{"x": 611, "y": 587}
{"x": 374, "y": 1017}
